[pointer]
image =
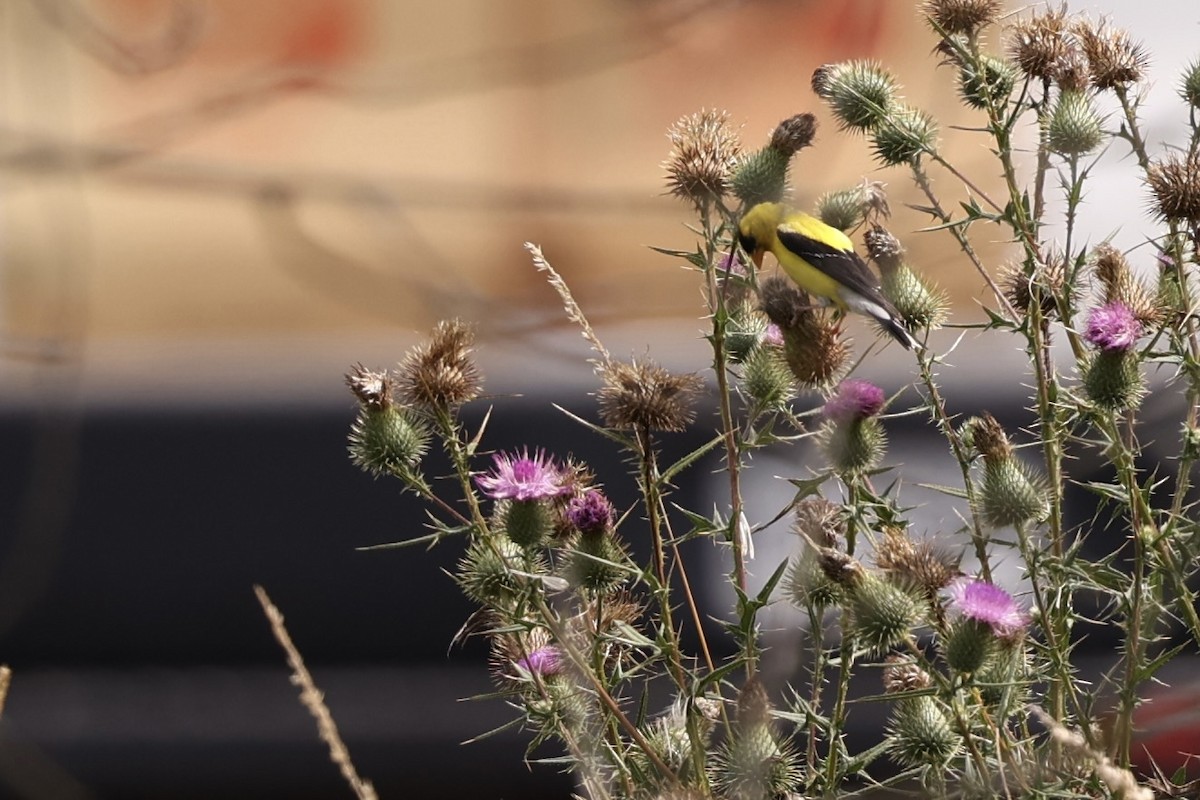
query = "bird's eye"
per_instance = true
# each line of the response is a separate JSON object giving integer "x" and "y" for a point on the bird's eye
{"x": 748, "y": 243}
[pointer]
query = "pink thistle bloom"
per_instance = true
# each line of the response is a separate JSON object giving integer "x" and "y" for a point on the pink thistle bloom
{"x": 854, "y": 400}
{"x": 590, "y": 513}
{"x": 544, "y": 661}
{"x": 773, "y": 336}
{"x": 731, "y": 264}
{"x": 987, "y": 603}
{"x": 523, "y": 477}
{"x": 1112, "y": 327}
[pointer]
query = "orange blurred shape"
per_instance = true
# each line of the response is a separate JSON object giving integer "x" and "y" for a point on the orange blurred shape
{"x": 302, "y": 33}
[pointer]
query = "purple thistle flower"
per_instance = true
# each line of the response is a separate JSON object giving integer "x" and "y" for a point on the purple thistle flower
{"x": 773, "y": 336}
{"x": 988, "y": 603}
{"x": 854, "y": 400}
{"x": 1112, "y": 327}
{"x": 523, "y": 477}
{"x": 591, "y": 513}
{"x": 544, "y": 661}
{"x": 731, "y": 264}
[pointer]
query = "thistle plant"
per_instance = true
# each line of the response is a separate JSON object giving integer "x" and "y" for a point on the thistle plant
{"x": 982, "y": 690}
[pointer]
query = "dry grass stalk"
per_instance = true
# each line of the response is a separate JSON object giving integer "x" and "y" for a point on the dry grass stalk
{"x": 572, "y": 309}
{"x": 5, "y": 682}
{"x": 314, "y": 701}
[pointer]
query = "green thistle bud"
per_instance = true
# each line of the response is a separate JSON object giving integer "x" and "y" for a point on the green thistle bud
{"x": 595, "y": 560}
{"x": 903, "y": 135}
{"x": 1189, "y": 87}
{"x": 852, "y": 438}
{"x": 1113, "y": 381}
{"x": 527, "y": 522}
{"x": 919, "y": 304}
{"x": 815, "y": 351}
{"x": 967, "y": 645}
{"x": 485, "y": 572}
{"x": 860, "y": 93}
{"x": 667, "y": 735}
{"x": 842, "y": 209}
{"x": 808, "y": 584}
{"x": 1009, "y": 495}
{"x": 743, "y": 334}
{"x": 387, "y": 440}
{"x": 761, "y": 176}
{"x": 754, "y": 763}
{"x": 883, "y": 613}
{"x": 921, "y": 733}
{"x": 989, "y": 82}
{"x": 1074, "y": 128}
{"x": 768, "y": 379}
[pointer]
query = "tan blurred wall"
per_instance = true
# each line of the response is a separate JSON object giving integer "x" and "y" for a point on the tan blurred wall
{"x": 406, "y": 150}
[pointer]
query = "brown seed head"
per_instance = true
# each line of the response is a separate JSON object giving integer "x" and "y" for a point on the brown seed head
{"x": 704, "y": 151}
{"x": 884, "y": 248}
{"x": 990, "y": 439}
{"x": 441, "y": 372}
{"x": 902, "y": 675}
{"x": 1113, "y": 58}
{"x": 1121, "y": 285}
{"x": 819, "y": 521}
{"x": 794, "y": 133}
{"x": 753, "y": 705}
{"x": 373, "y": 389}
{"x": 1072, "y": 72}
{"x": 1174, "y": 182}
{"x": 919, "y": 564}
{"x": 643, "y": 395}
{"x": 1045, "y": 284}
{"x": 1040, "y": 42}
{"x": 962, "y": 17}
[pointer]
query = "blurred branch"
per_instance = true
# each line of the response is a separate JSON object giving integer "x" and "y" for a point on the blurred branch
{"x": 185, "y": 22}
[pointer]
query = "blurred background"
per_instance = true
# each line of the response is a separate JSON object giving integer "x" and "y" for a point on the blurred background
{"x": 211, "y": 208}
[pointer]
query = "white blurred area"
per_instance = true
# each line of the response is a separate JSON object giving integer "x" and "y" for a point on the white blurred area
{"x": 212, "y": 199}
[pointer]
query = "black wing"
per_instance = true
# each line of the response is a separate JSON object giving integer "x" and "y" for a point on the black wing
{"x": 844, "y": 266}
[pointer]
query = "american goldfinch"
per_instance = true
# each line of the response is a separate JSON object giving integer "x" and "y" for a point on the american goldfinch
{"x": 821, "y": 260}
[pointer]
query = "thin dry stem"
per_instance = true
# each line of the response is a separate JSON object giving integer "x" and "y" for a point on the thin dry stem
{"x": 574, "y": 312}
{"x": 314, "y": 701}
{"x": 5, "y": 682}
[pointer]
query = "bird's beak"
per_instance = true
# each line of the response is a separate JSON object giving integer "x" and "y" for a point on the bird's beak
{"x": 756, "y": 257}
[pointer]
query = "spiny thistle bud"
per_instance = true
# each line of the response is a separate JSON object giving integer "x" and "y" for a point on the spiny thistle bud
{"x": 441, "y": 374}
{"x": 668, "y": 736}
{"x": 746, "y": 329}
{"x": 1122, "y": 286}
{"x": 961, "y": 17}
{"x": 1169, "y": 298}
{"x": 919, "y": 304}
{"x": 1074, "y": 127}
{"x": 903, "y": 135}
{"x": 595, "y": 555}
{"x": 807, "y": 582}
{"x": 762, "y": 176}
{"x": 852, "y": 437}
{"x": 818, "y": 573}
{"x": 767, "y": 378}
{"x": 1113, "y": 58}
{"x": 1039, "y": 43}
{"x": 1008, "y": 493}
{"x": 860, "y": 93}
{"x": 1112, "y": 378}
{"x": 846, "y": 209}
{"x": 812, "y": 346}
{"x": 704, "y": 151}
{"x": 901, "y": 674}
{"x": 921, "y": 734}
{"x": 1004, "y": 673}
{"x": 643, "y": 395}
{"x": 1174, "y": 182}
{"x": 388, "y": 440}
{"x": 882, "y": 613}
{"x": 967, "y": 645}
{"x": 1189, "y": 87}
{"x": 754, "y": 762}
{"x": 989, "y": 82}
{"x": 485, "y": 572}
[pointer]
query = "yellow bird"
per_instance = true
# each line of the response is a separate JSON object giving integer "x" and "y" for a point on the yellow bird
{"x": 821, "y": 260}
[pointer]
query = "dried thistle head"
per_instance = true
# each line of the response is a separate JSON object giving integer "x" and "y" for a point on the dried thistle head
{"x": 1047, "y": 282}
{"x": 1174, "y": 182}
{"x": 819, "y": 521}
{"x": 441, "y": 374}
{"x": 643, "y": 395}
{"x": 1040, "y": 42}
{"x": 962, "y": 17}
{"x": 989, "y": 439}
{"x": 1122, "y": 286}
{"x": 373, "y": 389}
{"x": 921, "y": 564}
{"x": 902, "y": 674}
{"x": 1072, "y": 72}
{"x": 704, "y": 151}
{"x": 1113, "y": 58}
{"x": 794, "y": 133}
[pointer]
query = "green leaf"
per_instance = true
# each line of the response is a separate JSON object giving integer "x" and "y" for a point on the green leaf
{"x": 691, "y": 458}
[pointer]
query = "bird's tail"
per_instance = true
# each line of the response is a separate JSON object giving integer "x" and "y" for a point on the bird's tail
{"x": 880, "y": 310}
{"x": 895, "y": 328}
